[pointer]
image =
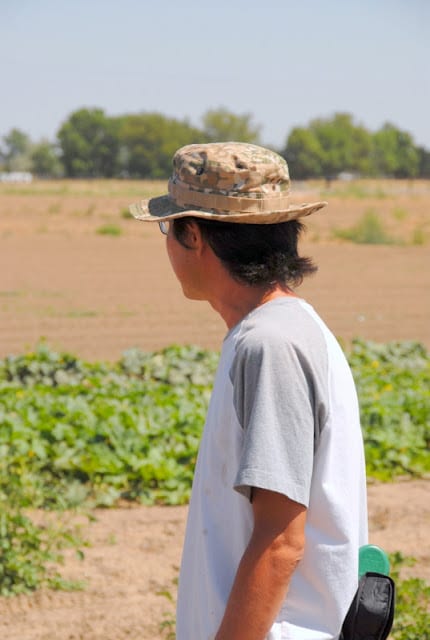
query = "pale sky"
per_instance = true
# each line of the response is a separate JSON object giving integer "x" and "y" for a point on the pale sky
{"x": 284, "y": 62}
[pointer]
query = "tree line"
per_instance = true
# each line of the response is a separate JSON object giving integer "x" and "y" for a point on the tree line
{"x": 91, "y": 144}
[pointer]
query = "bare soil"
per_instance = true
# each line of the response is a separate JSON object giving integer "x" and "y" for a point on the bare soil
{"x": 98, "y": 294}
{"x": 132, "y": 565}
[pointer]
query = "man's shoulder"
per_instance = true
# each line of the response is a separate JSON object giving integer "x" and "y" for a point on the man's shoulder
{"x": 281, "y": 323}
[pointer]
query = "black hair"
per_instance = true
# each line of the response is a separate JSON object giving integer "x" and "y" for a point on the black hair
{"x": 254, "y": 254}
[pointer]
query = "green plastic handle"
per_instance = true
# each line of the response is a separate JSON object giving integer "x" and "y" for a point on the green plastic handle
{"x": 372, "y": 558}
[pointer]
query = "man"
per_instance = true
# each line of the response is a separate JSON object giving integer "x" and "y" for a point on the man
{"x": 278, "y": 507}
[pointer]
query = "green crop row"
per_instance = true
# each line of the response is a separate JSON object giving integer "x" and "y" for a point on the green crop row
{"x": 72, "y": 431}
{"x": 393, "y": 385}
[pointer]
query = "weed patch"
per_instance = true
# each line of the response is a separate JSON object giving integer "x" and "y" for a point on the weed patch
{"x": 125, "y": 214}
{"x": 400, "y": 214}
{"x": 82, "y": 313}
{"x": 31, "y": 553}
{"x": 54, "y": 208}
{"x": 109, "y": 230}
{"x": 369, "y": 230}
{"x": 419, "y": 237}
{"x": 412, "y": 614}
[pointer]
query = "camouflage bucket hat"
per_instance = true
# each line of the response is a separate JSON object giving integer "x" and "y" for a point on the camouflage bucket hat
{"x": 228, "y": 181}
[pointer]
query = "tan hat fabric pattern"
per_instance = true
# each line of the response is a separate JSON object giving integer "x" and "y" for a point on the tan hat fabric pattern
{"x": 227, "y": 181}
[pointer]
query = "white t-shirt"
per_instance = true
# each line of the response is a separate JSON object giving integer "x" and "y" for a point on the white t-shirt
{"x": 284, "y": 417}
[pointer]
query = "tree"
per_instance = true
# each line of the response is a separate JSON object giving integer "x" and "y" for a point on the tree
{"x": 424, "y": 162}
{"x": 347, "y": 146}
{"x": 221, "y": 125}
{"x": 329, "y": 146}
{"x": 16, "y": 151}
{"x": 148, "y": 142}
{"x": 89, "y": 144}
{"x": 304, "y": 154}
{"x": 394, "y": 153}
{"x": 45, "y": 160}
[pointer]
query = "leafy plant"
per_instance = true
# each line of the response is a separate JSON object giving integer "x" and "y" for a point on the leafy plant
{"x": 173, "y": 365}
{"x": 412, "y": 613}
{"x": 30, "y": 553}
{"x": 44, "y": 367}
{"x": 393, "y": 385}
{"x": 167, "y": 625}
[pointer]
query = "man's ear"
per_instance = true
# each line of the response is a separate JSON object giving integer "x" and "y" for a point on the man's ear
{"x": 195, "y": 239}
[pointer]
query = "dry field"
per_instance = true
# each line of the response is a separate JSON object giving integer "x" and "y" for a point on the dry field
{"x": 96, "y": 294}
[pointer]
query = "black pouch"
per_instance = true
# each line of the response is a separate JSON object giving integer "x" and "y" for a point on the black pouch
{"x": 371, "y": 614}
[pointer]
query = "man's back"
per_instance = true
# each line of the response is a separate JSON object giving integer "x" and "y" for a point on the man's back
{"x": 283, "y": 417}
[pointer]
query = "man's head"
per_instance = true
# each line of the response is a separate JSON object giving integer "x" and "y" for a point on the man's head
{"x": 235, "y": 196}
{"x": 262, "y": 255}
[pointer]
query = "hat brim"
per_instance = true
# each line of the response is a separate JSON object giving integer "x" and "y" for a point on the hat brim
{"x": 164, "y": 208}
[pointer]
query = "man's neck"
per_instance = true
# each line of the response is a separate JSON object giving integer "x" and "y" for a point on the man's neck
{"x": 239, "y": 300}
{"x": 232, "y": 299}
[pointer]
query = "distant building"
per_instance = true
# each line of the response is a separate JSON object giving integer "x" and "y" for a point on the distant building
{"x": 347, "y": 176}
{"x": 16, "y": 176}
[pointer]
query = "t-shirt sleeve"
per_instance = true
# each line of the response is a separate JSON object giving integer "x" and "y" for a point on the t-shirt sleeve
{"x": 274, "y": 403}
